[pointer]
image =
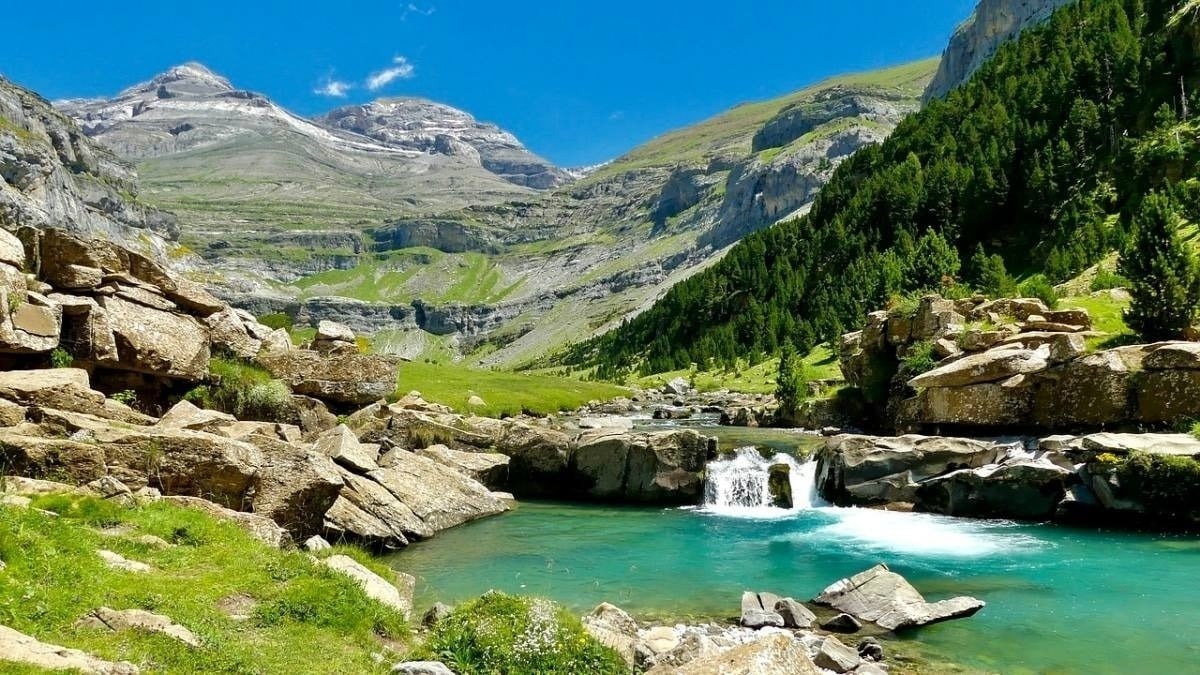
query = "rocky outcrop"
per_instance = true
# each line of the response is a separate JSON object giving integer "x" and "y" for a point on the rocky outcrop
{"x": 886, "y": 599}
{"x": 16, "y": 647}
{"x": 340, "y": 378}
{"x": 652, "y": 468}
{"x": 993, "y": 23}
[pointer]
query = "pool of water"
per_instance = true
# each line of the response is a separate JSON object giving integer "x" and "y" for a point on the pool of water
{"x": 1059, "y": 600}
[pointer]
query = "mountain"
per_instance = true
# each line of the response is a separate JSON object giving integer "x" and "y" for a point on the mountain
{"x": 993, "y": 23}
{"x": 411, "y": 220}
{"x": 1041, "y": 158}
{"x": 51, "y": 175}
{"x": 428, "y": 127}
{"x": 243, "y": 174}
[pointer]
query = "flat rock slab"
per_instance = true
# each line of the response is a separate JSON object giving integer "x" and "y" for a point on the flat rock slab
{"x": 137, "y": 619}
{"x": 775, "y": 654}
{"x": 16, "y": 647}
{"x": 120, "y": 562}
{"x": 1155, "y": 444}
{"x": 376, "y": 587}
{"x": 888, "y": 600}
{"x": 990, "y": 366}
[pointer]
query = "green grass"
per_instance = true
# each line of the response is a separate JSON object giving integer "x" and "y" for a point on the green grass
{"x": 1108, "y": 317}
{"x": 244, "y": 390}
{"x": 819, "y": 364}
{"x": 306, "y": 616}
{"x": 408, "y": 274}
{"x": 500, "y": 633}
{"x": 504, "y": 393}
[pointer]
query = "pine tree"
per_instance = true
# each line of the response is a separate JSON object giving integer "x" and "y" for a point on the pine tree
{"x": 791, "y": 385}
{"x": 1163, "y": 276}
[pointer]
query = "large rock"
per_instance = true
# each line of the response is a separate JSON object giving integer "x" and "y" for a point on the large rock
{"x": 156, "y": 342}
{"x": 773, "y": 654}
{"x": 29, "y": 322}
{"x": 866, "y": 469}
{"x": 374, "y": 586}
{"x": 355, "y": 379}
{"x": 296, "y": 486}
{"x": 1174, "y": 356}
{"x": 1168, "y": 396}
{"x": 37, "y": 457}
{"x": 885, "y": 598}
{"x": 342, "y": 446}
{"x": 1023, "y": 490}
{"x": 1003, "y": 404}
{"x": 652, "y": 468}
{"x": 367, "y": 511}
{"x": 440, "y": 496}
{"x": 758, "y": 610}
{"x": 229, "y": 335}
{"x": 614, "y": 628}
{"x": 488, "y": 468}
{"x": 16, "y": 647}
{"x": 540, "y": 455}
{"x": 62, "y": 388}
{"x": 991, "y": 366}
{"x": 1184, "y": 445}
{"x": 835, "y": 656}
{"x": 105, "y": 618}
{"x": 1091, "y": 391}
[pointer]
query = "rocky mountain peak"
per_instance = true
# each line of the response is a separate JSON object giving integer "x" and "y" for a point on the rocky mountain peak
{"x": 191, "y": 77}
{"x": 421, "y": 125}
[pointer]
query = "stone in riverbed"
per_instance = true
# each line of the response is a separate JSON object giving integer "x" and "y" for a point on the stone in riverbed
{"x": 758, "y": 610}
{"x": 774, "y": 654}
{"x": 842, "y": 623}
{"x": 835, "y": 656}
{"x": 342, "y": 446}
{"x": 888, "y": 600}
{"x": 779, "y": 485}
{"x": 1024, "y": 490}
{"x": 795, "y": 614}
{"x": 489, "y": 468}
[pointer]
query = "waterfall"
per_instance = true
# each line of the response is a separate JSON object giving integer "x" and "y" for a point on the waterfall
{"x": 740, "y": 485}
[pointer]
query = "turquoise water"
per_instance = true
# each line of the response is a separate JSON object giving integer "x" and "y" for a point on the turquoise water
{"x": 1059, "y": 600}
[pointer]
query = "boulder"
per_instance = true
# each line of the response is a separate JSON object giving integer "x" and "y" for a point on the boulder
{"x": 29, "y": 323}
{"x": 331, "y": 331}
{"x": 105, "y": 618}
{"x": 870, "y": 649}
{"x": 37, "y": 457}
{"x": 342, "y": 446}
{"x": 374, "y": 586}
{"x": 834, "y": 656}
{"x": 606, "y": 422}
{"x": 842, "y": 623}
{"x": 1184, "y": 445}
{"x": 662, "y": 468}
{"x": 1009, "y": 403}
{"x": 155, "y": 342}
{"x": 229, "y": 335}
{"x": 16, "y": 647}
{"x": 309, "y": 415}
{"x": 779, "y": 485}
{"x": 934, "y": 318}
{"x": 795, "y": 614}
{"x": 316, "y": 543}
{"x": 758, "y": 610}
{"x": 117, "y": 561}
{"x": 367, "y": 511}
{"x": 422, "y": 668}
{"x": 1090, "y": 391}
{"x": 259, "y": 527}
{"x": 540, "y": 456}
{"x": 866, "y": 469}
{"x": 772, "y": 654}
{"x": 614, "y": 628}
{"x": 296, "y": 486}
{"x": 885, "y": 598}
{"x": 677, "y": 387}
{"x": 991, "y": 366}
{"x": 1022, "y": 490}
{"x": 440, "y": 496}
{"x": 488, "y": 468}
{"x": 62, "y": 388}
{"x": 1063, "y": 346}
{"x": 1174, "y": 356}
{"x": 355, "y": 379}
{"x": 12, "y": 251}
{"x": 187, "y": 415}
{"x": 1168, "y": 396}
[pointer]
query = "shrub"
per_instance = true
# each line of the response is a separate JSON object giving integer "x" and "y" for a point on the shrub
{"x": 1038, "y": 286}
{"x": 128, "y": 397}
{"x": 242, "y": 389}
{"x": 791, "y": 381}
{"x": 921, "y": 359}
{"x": 1167, "y": 485}
{"x": 1107, "y": 279}
{"x": 61, "y": 358}
{"x": 276, "y": 321}
{"x": 1162, "y": 271}
{"x": 500, "y": 633}
{"x": 1196, "y": 430}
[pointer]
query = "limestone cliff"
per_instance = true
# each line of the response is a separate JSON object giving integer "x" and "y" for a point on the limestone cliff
{"x": 993, "y": 23}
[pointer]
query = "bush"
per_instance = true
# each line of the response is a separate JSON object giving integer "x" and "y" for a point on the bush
{"x": 128, "y": 397}
{"x": 243, "y": 390}
{"x": 500, "y": 633}
{"x": 61, "y": 358}
{"x": 1167, "y": 485}
{"x": 276, "y": 321}
{"x": 921, "y": 359}
{"x": 1038, "y": 286}
{"x": 1107, "y": 279}
{"x": 791, "y": 381}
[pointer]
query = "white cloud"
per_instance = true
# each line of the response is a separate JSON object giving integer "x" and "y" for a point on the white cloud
{"x": 400, "y": 69}
{"x": 412, "y": 8}
{"x": 333, "y": 88}
{"x": 616, "y": 115}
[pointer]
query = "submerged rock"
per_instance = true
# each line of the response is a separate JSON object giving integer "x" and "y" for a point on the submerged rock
{"x": 842, "y": 623}
{"x": 885, "y": 598}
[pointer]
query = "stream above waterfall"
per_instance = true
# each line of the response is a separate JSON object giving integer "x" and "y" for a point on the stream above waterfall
{"x": 1059, "y": 599}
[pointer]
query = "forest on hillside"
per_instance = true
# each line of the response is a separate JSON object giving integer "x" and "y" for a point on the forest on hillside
{"x": 1041, "y": 159}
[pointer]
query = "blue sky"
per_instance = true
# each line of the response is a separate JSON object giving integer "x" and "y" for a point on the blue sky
{"x": 578, "y": 82}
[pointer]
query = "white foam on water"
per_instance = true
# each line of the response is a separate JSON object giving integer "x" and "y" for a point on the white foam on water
{"x": 738, "y": 487}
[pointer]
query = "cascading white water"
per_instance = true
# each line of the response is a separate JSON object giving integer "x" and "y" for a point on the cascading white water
{"x": 739, "y": 485}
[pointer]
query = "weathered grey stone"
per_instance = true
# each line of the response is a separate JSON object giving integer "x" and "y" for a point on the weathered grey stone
{"x": 422, "y": 668}
{"x": 489, "y": 468}
{"x": 228, "y": 333}
{"x": 440, "y": 496}
{"x": 340, "y": 378}
{"x": 614, "y": 628}
{"x": 105, "y": 618}
{"x": 342, "y": 446}
{"x": 758, "y": 610}
{"x": 155, "y": 342}
{"x": 888, "y": 600}
{"x": 1024, "y": 490}
{"x": 374, "y": 586}
{"x": 16, "y": 647}
{"x": 120, "y": 562}
{"x": 773, "y": 654}
{"x": 1174, "y": 356}
{"x": 1184, "y": 445}
{"x": 331, "y": 331}
{"x": 1169, "y": 396}
{"x": 795, "y": 614}
{"x": 1093, "y": 390}
{"x": 835, "y": 656}
{"x": 316, "y": 543}
{"x": 296, "y": 486}
{"x": 842, "y": 623}
{"x": 655, "y": 468}
{"x": 990, "y": 404}
{"x": 989, "y": 366}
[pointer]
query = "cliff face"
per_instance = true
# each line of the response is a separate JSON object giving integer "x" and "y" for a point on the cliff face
{"x": 51, "y": 175}
{"x": 993, "y": 23}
